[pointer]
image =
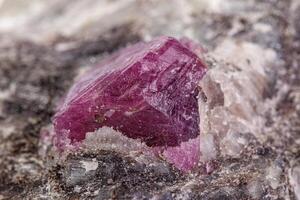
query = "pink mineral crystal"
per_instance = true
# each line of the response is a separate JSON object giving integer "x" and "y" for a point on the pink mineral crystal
{"x": 147, "y": 91}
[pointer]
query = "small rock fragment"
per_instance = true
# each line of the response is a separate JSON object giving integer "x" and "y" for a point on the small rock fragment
{"x": 273, "y": 176}
{"x": 294, "y": 179}
{"x": 255, "y": 188}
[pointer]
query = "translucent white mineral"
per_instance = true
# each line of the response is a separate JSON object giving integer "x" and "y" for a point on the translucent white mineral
{"x": 294, "y": 176}
{"x": 232, "y": 97}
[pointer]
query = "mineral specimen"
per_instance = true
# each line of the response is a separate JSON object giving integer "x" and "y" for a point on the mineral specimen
{"x": 147, "y": 91}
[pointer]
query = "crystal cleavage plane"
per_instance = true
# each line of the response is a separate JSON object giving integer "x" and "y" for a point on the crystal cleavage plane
{"x": 147, "y": 91}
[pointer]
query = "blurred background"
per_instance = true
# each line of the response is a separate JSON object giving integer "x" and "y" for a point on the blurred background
{"x": 41, "y": 20}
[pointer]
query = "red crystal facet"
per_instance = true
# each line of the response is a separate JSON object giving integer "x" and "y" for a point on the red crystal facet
{"x": 146, "y": 91}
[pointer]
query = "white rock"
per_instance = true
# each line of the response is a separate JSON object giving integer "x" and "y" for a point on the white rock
{"x": 273, "y": 174}
{"x": 89, "y": 165}
{"x": 232, "y": 95}
{"x": 294, "y": 179}
{"x": 255, "y": 189}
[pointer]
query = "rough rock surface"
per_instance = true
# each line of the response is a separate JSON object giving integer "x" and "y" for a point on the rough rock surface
{"x": 40, "y": 60}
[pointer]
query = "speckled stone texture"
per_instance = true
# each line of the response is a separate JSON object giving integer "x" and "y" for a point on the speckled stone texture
{"x": 46, "y": 54}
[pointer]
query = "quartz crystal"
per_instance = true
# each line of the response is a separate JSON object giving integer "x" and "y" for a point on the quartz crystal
{"x": 147, "y": 91}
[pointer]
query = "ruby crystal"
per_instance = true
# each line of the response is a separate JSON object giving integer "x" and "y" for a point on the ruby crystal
{"x": 146, "y": 91}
